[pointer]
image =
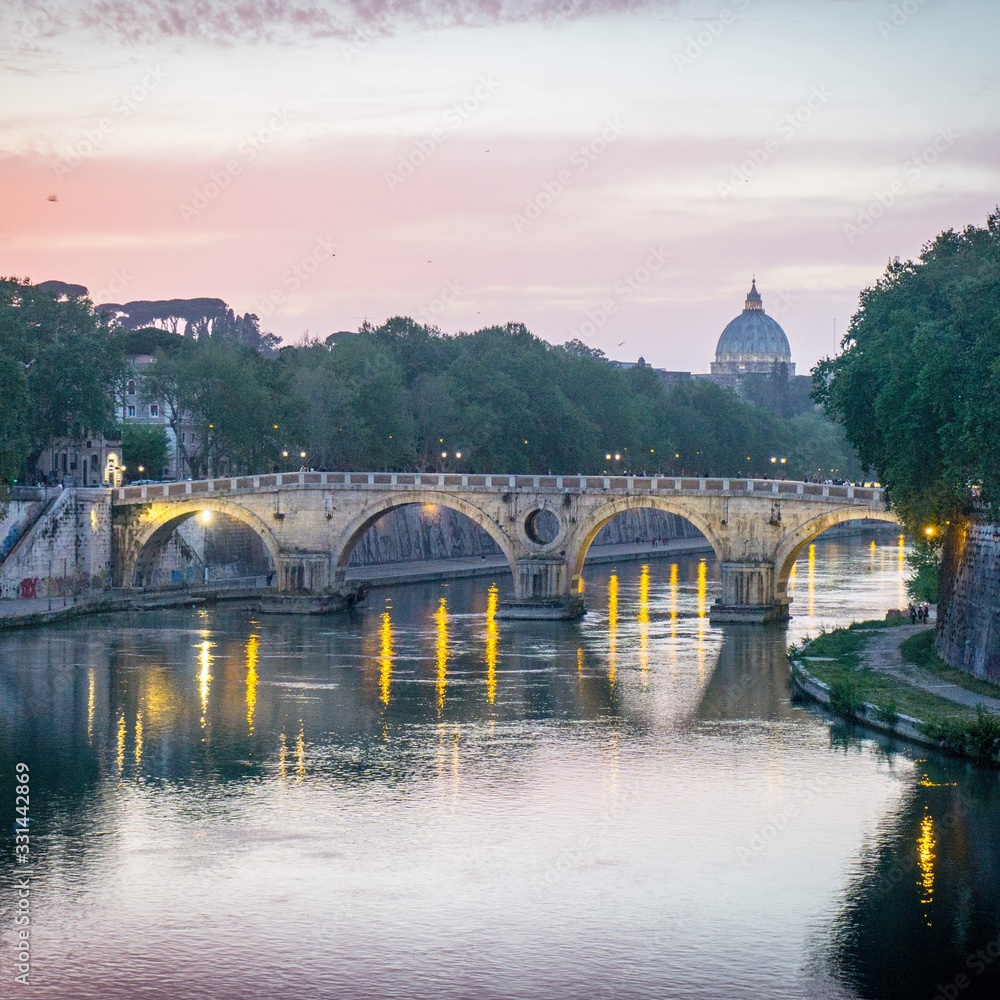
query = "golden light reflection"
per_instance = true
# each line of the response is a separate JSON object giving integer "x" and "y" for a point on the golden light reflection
{"x": 674, "y": 589}
{"x": 204, "y": 675}
{"x": 282, "y": 756}
{"x": 492, "y": 637}
{"x": 901, "y": 560}
{"x": 644, "y": 623}
{"x": 138, "y": 741}
{"x": 702, "y": 615}
{"x": 300, "y": 754}
{"x": 253, "y": 644}
{"x": 613, "y": 628}
{"x": 926, "y": 856}
{"x": 91, "y": 699}
{"x": 441, "y": 650}
{"x": 872, "y": 554}
{"x": 120, "y": 746}
{"x": 812, "y": 580}
{"x": 385, "y": 658}
{"x": 793, "y": 577}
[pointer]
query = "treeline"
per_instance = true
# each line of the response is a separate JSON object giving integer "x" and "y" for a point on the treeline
{"x": 398, "y": 396}
{"x": 401, "y": 396}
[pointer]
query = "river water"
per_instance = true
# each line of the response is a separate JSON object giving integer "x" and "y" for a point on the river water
{"x": 416, "y": 800}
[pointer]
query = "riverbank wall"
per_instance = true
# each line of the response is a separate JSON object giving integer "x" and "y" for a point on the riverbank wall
{"x": 968, "y": 633}
{"x": 56, "y": 544}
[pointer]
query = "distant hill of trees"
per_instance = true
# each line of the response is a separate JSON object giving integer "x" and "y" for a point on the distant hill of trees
{"x": 396, "y": 396}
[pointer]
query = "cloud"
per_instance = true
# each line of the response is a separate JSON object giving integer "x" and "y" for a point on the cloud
{"x": 221, "y": 22}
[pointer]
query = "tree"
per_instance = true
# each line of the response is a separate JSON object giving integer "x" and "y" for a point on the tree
{"x": 145, "y": 450}
{"x": 917, "y": 386}
{"x": 62, "y": 364}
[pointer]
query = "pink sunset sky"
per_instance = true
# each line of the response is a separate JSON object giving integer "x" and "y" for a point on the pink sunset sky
{"x": 614, "y": 171}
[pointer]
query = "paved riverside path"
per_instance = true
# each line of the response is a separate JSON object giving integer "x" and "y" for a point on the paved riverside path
{"x": 882, "y": 653}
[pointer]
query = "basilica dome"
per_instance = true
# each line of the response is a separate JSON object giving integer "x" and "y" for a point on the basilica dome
{"x": 753, "y": 342}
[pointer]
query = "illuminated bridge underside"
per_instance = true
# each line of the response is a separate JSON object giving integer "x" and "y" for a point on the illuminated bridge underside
{"x": 310, "y": 523}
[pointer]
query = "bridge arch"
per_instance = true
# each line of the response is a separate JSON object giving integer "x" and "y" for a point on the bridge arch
{"x": 585, "y": 533}
{"x": 352, "y": 534}
{"x": 794, "y": 542}
{"x": 154, "y": 532}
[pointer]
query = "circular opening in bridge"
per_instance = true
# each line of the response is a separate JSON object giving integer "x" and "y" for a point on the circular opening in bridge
{"x": 542, "y": 526}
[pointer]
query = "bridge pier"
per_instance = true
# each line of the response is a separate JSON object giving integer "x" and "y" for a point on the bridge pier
{"x": 748, "y": 595}
{"x": 303, "y": 572}
{"x": 541, "y": 591}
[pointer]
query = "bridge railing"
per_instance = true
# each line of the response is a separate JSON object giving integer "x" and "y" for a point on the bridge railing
{"x": 492, "y": 483}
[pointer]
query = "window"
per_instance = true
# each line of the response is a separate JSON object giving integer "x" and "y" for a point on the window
{"x": 154, "y": 409}
{"x": 131, "y": 411}
{"x": 131, "y": 386}
{"x": 94, "y": 462}
{"x": 183, "y": 437}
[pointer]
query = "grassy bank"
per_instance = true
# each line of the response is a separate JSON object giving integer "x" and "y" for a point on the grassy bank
{"x": 866, "y": 695}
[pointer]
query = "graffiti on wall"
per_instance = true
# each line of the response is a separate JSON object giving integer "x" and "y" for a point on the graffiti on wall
{"x": 34, "y": 587}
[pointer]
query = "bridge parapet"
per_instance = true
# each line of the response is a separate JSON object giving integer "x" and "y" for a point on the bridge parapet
{"x": 382, "y": 481}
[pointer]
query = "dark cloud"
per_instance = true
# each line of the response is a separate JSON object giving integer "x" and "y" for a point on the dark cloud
{"x": 248, "y": 21}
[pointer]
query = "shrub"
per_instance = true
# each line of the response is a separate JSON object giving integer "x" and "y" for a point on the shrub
{"x": 845, "y": 697}
{"x": 979, "y": 739}
{"x": 888, "y": 713}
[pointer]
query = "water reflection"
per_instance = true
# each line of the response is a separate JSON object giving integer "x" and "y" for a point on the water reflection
{"x": 385, "y": 658}
{"x": 251, "y": 653}
{"x": 492, "y": 638}
{"x": 643, "y": 620}
{"x": 441, "y": 651}
{"x": 611, "y": 788}
{"x": 613, "y": 629}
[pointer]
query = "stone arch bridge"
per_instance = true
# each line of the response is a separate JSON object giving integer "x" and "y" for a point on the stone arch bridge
{"x": 310, "y": 522}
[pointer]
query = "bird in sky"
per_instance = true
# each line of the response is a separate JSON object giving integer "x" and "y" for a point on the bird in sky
{"x": 29, "y": 364}
{"x": 622, "y": 344}
{"x": 53, "y": 197}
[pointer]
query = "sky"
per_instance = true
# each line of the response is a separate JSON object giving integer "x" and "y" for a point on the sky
{"x": 610, "y": 170}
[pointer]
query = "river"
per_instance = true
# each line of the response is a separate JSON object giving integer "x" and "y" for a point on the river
{"x": 415, "y": 800}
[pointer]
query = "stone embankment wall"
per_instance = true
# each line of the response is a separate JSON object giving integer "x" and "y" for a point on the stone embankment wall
{"x": 62, "y": 548}
{"x": 413, "y": 534}
{"x": 968, "y": 631}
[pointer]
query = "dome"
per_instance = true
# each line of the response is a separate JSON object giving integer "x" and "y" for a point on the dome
{"x": 753, "y": 342}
